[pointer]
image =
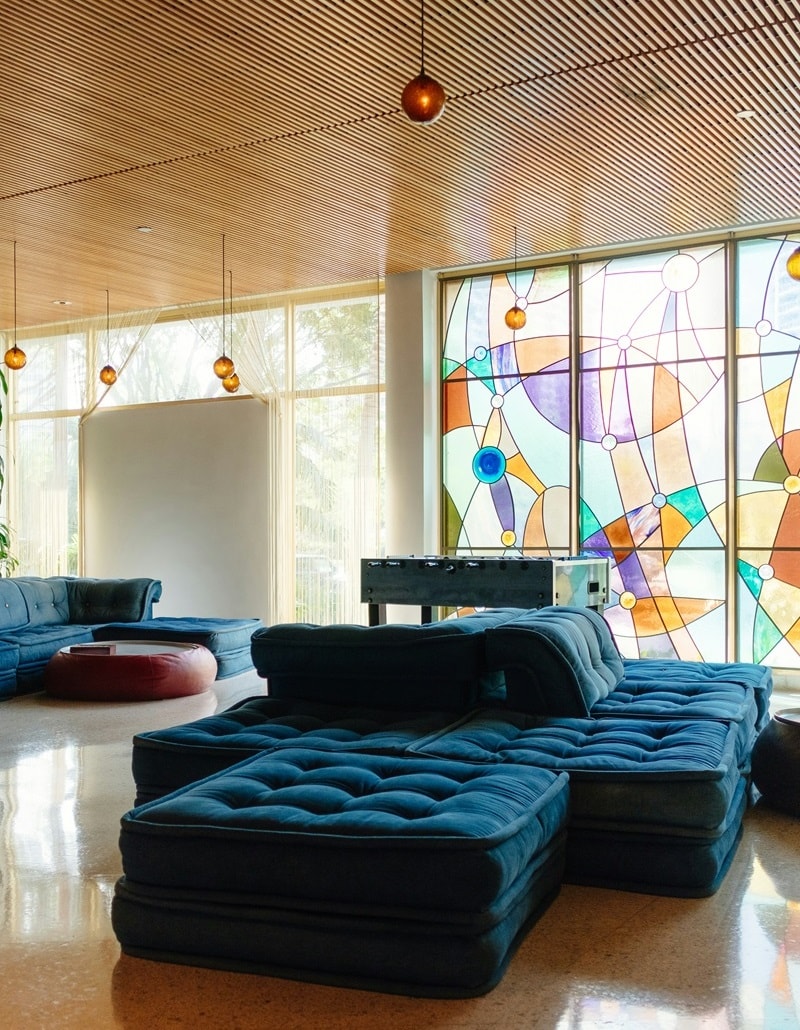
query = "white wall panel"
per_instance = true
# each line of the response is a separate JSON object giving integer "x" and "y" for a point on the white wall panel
{"x": 179, "y": 492}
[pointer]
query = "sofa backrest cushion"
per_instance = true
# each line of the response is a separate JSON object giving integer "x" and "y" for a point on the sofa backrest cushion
{"x": 13, "y": 609}
{"x": 45, "y": 598}
{"x": 93, "y": 601}
{"x": 431, "y": 666}
{"x": 558, "y": 660}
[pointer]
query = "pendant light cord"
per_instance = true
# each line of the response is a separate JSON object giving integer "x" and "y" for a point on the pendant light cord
{"x": 15, "y": 294}
{"x": 223, "y": 295}
{"x": 422, "y": 37}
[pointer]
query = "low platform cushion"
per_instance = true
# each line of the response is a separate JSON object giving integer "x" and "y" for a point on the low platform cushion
{"x": 736, "y": 692}
{"x": 640, "y": 785}
{"x": 399, "y": 874}
{"x": 434, "y": 665}
{"x": 557, "y": 660}
{"x": 166, "y": 759}
{"x": 227, "y": 639}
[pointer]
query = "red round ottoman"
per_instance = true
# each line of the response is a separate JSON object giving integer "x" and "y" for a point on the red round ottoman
{"x": 129, "y": 670}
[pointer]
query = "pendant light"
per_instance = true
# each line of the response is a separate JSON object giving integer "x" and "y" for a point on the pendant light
{"x": 108, "y": 374}
{"x": 231, "y": 381}
{"x": 15, "y": 358}
{"x": 515, "y": 316}
{"x": 223, "y": 366}
{"x": 423, "y": 98}
{"x": 793, "y": 264}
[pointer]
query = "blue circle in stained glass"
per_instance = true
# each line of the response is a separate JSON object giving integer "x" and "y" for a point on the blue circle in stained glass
{"x": 489, "y": 464}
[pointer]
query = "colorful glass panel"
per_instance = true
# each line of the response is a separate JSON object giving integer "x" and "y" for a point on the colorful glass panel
{"x": 652, "y": 477}
{"x": 768, "y": 454}
{"x": 506, "y": 415}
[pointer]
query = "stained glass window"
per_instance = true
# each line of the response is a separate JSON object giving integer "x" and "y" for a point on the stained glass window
{"x": 506, "y": 416}
{"x": 684, "y": 429}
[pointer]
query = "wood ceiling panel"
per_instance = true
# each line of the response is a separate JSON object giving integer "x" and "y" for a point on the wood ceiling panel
{"x": 279, "y": 125}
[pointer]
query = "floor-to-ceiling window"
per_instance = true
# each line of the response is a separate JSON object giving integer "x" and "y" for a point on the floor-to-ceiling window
{"x": 315, "y": 358}
{"x": 648, "y": 412}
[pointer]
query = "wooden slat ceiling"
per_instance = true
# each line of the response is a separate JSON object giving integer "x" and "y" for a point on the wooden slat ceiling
{"x": 582, "y": 124}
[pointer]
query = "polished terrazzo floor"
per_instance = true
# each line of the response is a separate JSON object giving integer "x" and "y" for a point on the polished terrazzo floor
{"x": 597, "y": 958}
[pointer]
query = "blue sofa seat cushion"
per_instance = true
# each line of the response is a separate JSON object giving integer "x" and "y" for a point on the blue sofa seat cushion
{"x": 166, "y": 759}
{"x": 350, "y": 829}
{"x": 36, "y": 645}
{"x": 433, "y": 665}
{"x": 557, "y": 660}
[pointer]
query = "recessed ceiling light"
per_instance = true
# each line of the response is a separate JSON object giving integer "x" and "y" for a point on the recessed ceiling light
{"x": 745, "y": 113}
{"x": 144, "y": 228}
{"x": 62, "y": 303}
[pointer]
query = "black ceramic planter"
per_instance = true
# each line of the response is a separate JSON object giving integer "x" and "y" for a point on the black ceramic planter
{"x": 776, "y": 761}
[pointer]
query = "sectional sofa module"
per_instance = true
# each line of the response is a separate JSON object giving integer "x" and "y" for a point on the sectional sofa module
{"x": 391, "y": 775}
{"x": 40, "y": 615}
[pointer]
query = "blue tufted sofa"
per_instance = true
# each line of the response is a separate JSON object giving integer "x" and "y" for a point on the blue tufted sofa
{"x": 40, "y": 615}
{"x": 400, "y": 808}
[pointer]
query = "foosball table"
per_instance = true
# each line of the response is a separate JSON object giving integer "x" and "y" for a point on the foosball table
{"x": 483, "y": 581}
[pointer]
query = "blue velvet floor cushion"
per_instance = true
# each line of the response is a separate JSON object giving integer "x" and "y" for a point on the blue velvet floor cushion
{"x": 642, "y": 789}
{"x": 434, "y": 665}
{"x": 227, "y": 639}
{"x": 736, "y": 692}
{"x": 399, "y": 874}
{"x": 166, "y": 759}
{"x": 557, "y": 660}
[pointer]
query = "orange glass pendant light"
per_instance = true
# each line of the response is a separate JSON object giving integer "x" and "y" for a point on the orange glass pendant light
{"x": 108, "y": 374}
{"x": 15, "y": 358}
{"x": 423, "y": 98}
{"x": 223, "y": 367}
{"x": 231, "y": 383}
{"x": 515, "y": 316}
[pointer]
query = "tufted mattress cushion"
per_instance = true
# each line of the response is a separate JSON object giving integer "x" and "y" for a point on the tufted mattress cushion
{"x": 633, "y": 771}
{"x": 165, "y": 759}
{"x": 353, "y": 829}
{"x": 434, "y": 665}
{"x": 409, "y": 876}
{"x": 663, "y": 689}
{"x": 558, "y": 660}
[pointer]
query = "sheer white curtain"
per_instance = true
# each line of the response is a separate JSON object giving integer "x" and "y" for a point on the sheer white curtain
{"x": 49, "y": 398}
{"x": 259, "y": 352}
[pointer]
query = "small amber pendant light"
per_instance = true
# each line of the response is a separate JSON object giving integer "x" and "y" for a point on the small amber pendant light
{"x": 423, "y": 98}
{"x": 108, "y": 374}
{"x": 515, "y": 316}
{"x": 15, "y": 358}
